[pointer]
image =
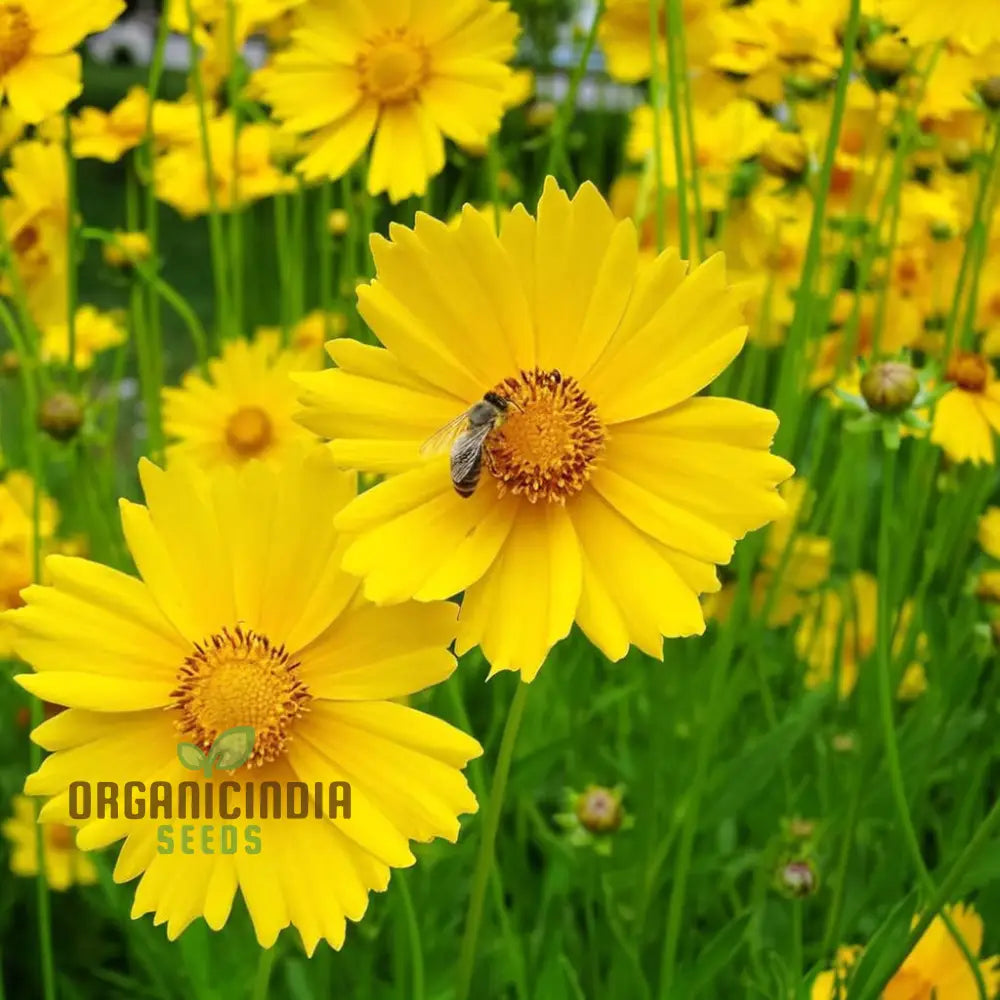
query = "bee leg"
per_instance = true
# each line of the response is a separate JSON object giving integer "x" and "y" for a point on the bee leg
{"x": 488, "y": 459}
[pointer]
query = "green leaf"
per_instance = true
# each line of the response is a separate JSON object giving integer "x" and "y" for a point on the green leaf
{"x": 232, "y": 748}
{"x": 191, "y": 756}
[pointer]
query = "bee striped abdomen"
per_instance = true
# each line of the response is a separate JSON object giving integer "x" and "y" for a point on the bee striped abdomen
{"x": 466, "y": 485}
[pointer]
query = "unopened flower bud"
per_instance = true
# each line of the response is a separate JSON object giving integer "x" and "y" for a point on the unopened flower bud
{"x": 61, "y": 416}
{"x": 989, "y": 91}
{"x": 599, "y": 809}
{"x": 338, "y": 222}
{"x": 957, "y": 155}
{"x": 797, "y": 878}
{"x": 127, "y": 250}
{"x": 889, "y": 387}
{"x": 785, "y": 155}
{"x": 10, "y": 363}
{"x": 541, "y": 114}
{"x": 889, "y": 56}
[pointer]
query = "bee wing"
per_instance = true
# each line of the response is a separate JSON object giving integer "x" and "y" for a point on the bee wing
{"x": 443, "y": 438}
{"x": 467, "y": 451}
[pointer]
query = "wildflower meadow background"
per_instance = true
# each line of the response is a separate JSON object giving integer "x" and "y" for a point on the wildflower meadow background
{"x": 687, "y": 686}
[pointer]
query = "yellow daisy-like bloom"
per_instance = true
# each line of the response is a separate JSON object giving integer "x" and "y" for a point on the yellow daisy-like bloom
{"x": 839, "y": 630}
{"x": 242, "y": 616}
{"x": 989, "y": 532}
{"x": 11, "y": 128}
{"x": 36, "y": 219}
{"x": 306, "y": 338}
{"x": 611, "y": 490}
{"x": 94, "y": 332}
{"x": 127, "y": 249}
{"x": 624, "y": 36}
{"x": 17, "y": 493}
{"x": 967, "y": 415}
{"x": 973, "y": 22}
{"x": 243, "y": 410}
{"x": 803, "y": 569}
{"x": 239, "y": 176}
{"x": 65, "y": 865}
{"x": 722, "y": 139}
{"x": 935, "y": 968}
{"x": 39, "y": 72}
{"x": 411, "y": 74}
{"x": 109, "y": 135}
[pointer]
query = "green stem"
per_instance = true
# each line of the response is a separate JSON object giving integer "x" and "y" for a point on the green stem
{"x": 167, "y": 292}
{"x": 72, "y": 252}
{"x": 557, "y": 145}
{"x": 983, "y": 836}
{"x": 145, "y": 156}
{"x": 675, "y": 27}
{"x": 33, "y": 443}
{"x": 325, "y": 254}
{"x": 413, "y": 931}
{"x": 832, "y": 933}
{"x": 975, "y": 241}
{"x": 655, "y": 102}
{"x": 262, "y": 979}
{"x": 885, "y": 632}
{"x": 485, "y": 860}
{"x": 677, "y": 17}
{"x": 236, "y": 261}
{"x": 216, "y": 236}
{"x": 805, "y": 299}
{"x": 715, "y": 707}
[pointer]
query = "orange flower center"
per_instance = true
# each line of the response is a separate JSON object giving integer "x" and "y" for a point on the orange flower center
{"x": 394, "y": 67}
{"x": 249, "y": 431}
{"x": 852, "y": 140}
{"x": 994, "y": 305}
{"x": 968, "y": 371}
{"x": 26, "y": 240}
{"x": 15, "y": 35}
{"x": 60, "y": 837}
{"x": 549, "y": 440}
{"x": 239, "y": 678}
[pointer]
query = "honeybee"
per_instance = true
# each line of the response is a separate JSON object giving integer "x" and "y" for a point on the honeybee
{"x": 467, "y": 435}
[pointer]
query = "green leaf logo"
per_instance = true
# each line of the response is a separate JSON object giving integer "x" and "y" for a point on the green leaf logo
{"x": 231, "y": 749}
{"x": 191, "y": 756}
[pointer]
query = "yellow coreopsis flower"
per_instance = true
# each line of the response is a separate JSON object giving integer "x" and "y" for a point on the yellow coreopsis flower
{"x": 409, "y": 74}
{"x": 967, "y": 415}
{"x": 237, "y": 180}
{"x": 36, "y": 221}
{"x": 973, "y": 22}
{"x": 722, "y": 139}
{"x": 65, "y": 865}
{"x": 11, "y": 128}
{"x": 242, "y": 617}
{"x": 989, "y": 532}
{"x": 936, "y": 967}
{"x": 305, "y": 338}
{"x": 609, "y": 492}
{"x": 624, "y": 36}
{"x": 17, "y": 541}
{"x": 127, "y": 250}
{"x": 94, "y": 332}
{"x": 838, "y": 633}
{"x": 39, "y": 71}
{"x": 109, "y": 135}
{"x": 243, "y": 410}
